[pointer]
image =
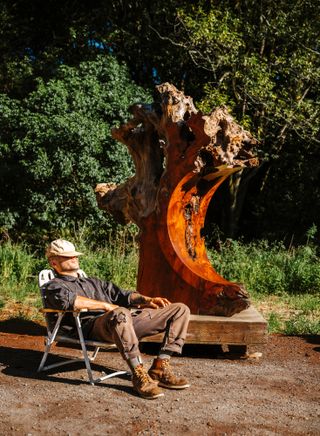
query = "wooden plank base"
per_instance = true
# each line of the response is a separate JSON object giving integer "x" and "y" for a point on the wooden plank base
{"x": 245, "y": 328}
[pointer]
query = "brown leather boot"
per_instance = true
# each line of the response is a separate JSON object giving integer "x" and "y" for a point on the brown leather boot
{"x": 162, "y": 372}
{"x": 144, "y": 385}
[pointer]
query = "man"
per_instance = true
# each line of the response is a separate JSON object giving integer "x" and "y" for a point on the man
{"x": 128, "y": 316}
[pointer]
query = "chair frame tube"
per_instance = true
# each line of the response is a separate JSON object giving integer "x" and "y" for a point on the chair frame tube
{"x": 52, "y": 336}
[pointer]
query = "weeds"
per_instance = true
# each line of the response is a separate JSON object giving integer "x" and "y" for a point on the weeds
{"x": 15, "y": 263}
{"x": 269, "y": 269}
{"x": 16, "y": 272}
{"x": 274, "y": 323}
{"x": 302, "y": 325}
{"x": 284, "y": 284}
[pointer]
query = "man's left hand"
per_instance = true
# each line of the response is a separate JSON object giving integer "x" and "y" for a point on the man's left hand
{"x": 157, "y": 302}
{"x": 142, "y": 301}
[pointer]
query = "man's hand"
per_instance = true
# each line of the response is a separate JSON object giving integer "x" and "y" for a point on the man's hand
{"x": 142, "y": 301}
{"x": 157, "y": 302}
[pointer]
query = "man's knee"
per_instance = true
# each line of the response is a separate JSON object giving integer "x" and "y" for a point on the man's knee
{"x": 182, "y": 308}
{"x": 121, "y": 315}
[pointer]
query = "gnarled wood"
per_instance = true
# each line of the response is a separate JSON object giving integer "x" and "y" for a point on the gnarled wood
{"x": 181, "y": 157}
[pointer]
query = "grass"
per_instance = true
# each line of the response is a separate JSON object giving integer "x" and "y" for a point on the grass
{"x": 269, "y": 269}
{"x": 117, "y": 261}
{"x": 292, "y": 316}
{"x": 284, "y": 284}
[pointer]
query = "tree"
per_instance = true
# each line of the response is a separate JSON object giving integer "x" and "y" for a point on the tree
{"x": 37, "y": 36}
{"x": 262, "y": 60}
{"x": 55, "y": 145}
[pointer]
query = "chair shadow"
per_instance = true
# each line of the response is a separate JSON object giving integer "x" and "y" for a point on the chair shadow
{"x": 22, "y": 326}
{"x": 16, "y": 362}
{"x": 23, "y": 363}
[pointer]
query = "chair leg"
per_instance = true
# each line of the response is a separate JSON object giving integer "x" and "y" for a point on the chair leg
{"x": 45, "y": 355}
{"x": 84, "y": 349}
{"x": 86, "y": 358}
{"x": 94, "y": 354}
{"x": 49, "y": 341}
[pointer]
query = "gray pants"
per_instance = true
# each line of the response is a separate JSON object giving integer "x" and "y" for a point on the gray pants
{"x": 125, "y": 328}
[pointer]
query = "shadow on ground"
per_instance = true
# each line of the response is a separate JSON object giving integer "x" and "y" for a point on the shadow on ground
{"x": 22, "y": 326}
{"x": 21, "y": 363}
{"x": 313, "y": 339}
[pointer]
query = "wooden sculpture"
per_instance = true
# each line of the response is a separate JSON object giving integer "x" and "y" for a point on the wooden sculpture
{"x": 181, "y": 157}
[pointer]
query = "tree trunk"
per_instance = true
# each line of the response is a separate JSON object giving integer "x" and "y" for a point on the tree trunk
{"x": 181, "y": 157}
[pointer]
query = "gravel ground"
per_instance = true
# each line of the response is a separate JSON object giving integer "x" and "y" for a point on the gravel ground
{"x": 277, "y": 394}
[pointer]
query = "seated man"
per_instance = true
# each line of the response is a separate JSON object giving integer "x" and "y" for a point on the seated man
{"x": 128, "y": 316}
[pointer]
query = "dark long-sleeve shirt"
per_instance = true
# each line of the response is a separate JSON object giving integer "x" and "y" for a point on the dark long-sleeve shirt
{"x": 61, "y": 292}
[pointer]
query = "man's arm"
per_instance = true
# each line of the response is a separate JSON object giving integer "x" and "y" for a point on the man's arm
{"x": 90, "y": 304}
{"x": 142, "y": 301}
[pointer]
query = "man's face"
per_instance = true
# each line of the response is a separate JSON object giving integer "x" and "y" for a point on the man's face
{"x": 65, "y": 265}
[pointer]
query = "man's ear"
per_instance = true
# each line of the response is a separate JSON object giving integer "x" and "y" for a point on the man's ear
{"x": 52, "y": 262}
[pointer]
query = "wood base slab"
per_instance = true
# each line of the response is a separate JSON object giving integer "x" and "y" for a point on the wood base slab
{"x": 245, "y": 328}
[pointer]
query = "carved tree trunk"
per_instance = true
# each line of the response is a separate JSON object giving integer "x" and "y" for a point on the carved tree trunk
{"x": 181, "y": 157}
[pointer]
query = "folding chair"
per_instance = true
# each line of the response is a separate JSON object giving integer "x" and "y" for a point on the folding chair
{"x": 53, "y": 336}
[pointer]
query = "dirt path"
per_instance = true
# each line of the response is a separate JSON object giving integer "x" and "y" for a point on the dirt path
{"x": 275, "y": 395}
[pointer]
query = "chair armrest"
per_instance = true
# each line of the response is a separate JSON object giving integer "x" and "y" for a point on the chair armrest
{"x": 62, "y": 311}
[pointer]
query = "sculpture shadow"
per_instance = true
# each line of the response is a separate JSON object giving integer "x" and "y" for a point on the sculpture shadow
{"x": 200, "y": 351}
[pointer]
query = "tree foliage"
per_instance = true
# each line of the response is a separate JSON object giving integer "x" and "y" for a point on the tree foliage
{"x": 260, "y": 58}
{"x": 56, "y": 145}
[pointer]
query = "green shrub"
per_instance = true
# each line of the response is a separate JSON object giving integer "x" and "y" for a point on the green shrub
{"x": 302, "y": 325}
{"x": 274, "y": 323}
{"x": 267, "y": 268}
{"x": 17, "y": 268}
{"x": 16, "y": 264}
{"x": 56, "y": 145}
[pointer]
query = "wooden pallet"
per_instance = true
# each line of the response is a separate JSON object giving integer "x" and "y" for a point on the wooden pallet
{"x": 245, "y": 328}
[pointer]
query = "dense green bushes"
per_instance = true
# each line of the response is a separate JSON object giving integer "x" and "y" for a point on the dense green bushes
{"x": 56, "y": 145}
{"x": 59, "y": 98}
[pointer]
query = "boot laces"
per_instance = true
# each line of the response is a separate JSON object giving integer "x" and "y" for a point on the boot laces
{"x": 167, "y": 368}
{"x": 142, "y": 375}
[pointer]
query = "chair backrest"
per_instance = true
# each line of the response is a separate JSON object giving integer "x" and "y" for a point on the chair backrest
{"x": 48, "y": 274}
{"x": 45, "y": 276}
